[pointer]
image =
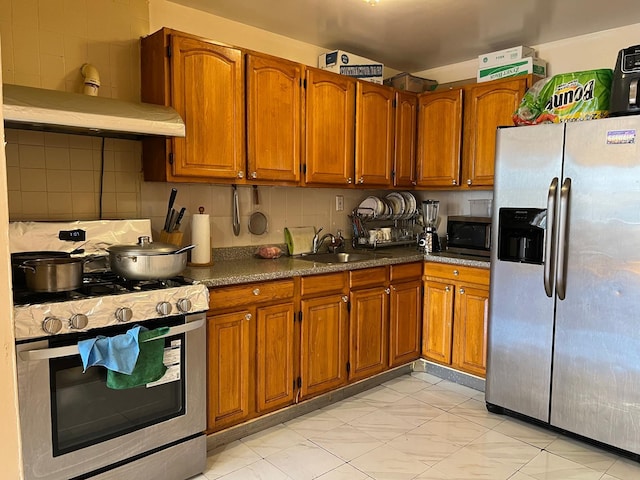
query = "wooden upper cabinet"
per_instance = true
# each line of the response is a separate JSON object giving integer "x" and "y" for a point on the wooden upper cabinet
{"x": 374, "y": 134}
{"x": 204, "y": 83}
{"x": 487, "y": 106}
{"x": 404, "y": 167}
{"x": 329, "y": 128}
{"x": 274, "y": 124}
{"x": 439, "y": 138}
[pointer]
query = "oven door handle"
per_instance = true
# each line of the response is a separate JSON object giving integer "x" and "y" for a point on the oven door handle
{"x": 59, "y": 352}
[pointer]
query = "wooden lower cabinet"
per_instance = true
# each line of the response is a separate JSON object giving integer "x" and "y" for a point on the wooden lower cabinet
{"x": 368, "y": 332}
{"x": 456, "y": 307}
{"x": 229, "y": 370}
{"x": 405, "y": 313}
{"x": 324, "y": 334}
{"x": 250, "y": 351}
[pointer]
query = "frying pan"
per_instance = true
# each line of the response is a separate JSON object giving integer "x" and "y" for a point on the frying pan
{"x": 257, "y": 220}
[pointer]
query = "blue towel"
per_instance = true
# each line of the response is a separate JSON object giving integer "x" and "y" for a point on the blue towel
{"x": 118, "y": 353}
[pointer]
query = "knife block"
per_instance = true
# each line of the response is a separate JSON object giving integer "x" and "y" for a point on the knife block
{"x": 174, "y": 238}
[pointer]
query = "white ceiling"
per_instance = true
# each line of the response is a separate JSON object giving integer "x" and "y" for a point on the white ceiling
{"x": 415, "y": 35}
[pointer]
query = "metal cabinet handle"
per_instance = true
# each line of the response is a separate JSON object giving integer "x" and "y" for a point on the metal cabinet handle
{"x": 462, "y": 291}
{"x": 247, "y": 316}
{"x": 456, "y": 273}
{"x": 254, "y": 174}
{"x": 447, "y": 288}
{"x": 256, "y": 291}
{"x": 349, "y": 180}
{"x": 240, "y": 174}
{"x": 454, "y": 182}
{"x": 469, "y": 181}
{"x": 345, "y": 298}
{"x": 361, "y": 180}
{"x": 387, "y": 291}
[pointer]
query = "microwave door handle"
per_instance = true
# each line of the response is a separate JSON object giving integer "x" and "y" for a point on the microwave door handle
{"x": 60, "y": 352}
{"x": 550, "y": 240}
{"x": 633, "y": 93}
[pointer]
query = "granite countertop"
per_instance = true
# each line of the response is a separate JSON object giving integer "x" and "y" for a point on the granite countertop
{"x": 236, "y": 266}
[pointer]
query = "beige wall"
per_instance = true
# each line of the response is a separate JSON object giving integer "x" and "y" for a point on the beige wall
{"x": 10, "y": 438}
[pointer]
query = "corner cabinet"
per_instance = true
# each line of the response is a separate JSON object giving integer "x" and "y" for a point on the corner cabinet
{"x": 405, "y": 313}
{"x": 274, "y": 119}
{"x": 404, "y": 166}
{"x": 329, "y": 128}
{"x": 487, "y": 106}
{"x": 455, "y": 316}
{"x": 375, "y": 121}
{"x": 204, "y": 83}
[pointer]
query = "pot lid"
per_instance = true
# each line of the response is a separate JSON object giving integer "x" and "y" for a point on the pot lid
{"x": 144, "y": 247}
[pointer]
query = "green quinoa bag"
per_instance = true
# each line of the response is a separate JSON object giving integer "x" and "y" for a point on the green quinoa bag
{"x": 568, "y": 97}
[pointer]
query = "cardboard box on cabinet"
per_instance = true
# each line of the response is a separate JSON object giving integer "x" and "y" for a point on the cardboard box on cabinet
{"x": 410, "y": 83}
{"x": 524, "y": 66}
{"x": 508, "y": 55}
{"x": 351, "y": 65}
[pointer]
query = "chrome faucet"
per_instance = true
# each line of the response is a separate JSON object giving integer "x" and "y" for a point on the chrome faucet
{"x": 336, "y": 241}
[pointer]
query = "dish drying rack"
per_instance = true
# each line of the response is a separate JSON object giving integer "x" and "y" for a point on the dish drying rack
{"x": 403, "y": 229}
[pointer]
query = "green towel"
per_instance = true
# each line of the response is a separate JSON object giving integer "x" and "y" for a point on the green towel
{"x": 149, "y": 366}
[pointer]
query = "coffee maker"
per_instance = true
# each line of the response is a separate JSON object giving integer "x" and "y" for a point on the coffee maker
{"x": 625, "y": 91}
{"x": 428, "y": 240}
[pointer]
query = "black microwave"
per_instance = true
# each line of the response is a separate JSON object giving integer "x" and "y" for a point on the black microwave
{"x": 469, "y": 235}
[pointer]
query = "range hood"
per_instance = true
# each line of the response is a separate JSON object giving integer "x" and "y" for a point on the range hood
{"x": 63, "y": 112}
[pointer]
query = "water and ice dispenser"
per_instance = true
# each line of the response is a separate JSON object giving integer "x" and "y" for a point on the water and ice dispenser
{"x": 521, "y": 235}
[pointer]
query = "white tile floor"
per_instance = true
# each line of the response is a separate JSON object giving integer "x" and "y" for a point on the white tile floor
{"x": 414, "y": 427}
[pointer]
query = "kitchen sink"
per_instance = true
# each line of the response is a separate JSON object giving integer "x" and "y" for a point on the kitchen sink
{"x": 341, "y": 257}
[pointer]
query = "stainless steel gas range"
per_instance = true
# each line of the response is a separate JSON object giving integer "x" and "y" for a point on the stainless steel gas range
{"x": 73, "y": 425}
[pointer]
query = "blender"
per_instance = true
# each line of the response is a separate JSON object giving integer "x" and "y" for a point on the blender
{"x": 428, "y": 240}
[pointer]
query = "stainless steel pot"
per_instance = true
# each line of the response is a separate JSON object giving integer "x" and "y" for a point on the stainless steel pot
{"x": 147, "y": 260}
{"x": 53, "y": 274}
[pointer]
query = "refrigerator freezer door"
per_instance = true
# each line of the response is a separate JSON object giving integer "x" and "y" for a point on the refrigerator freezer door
{"x": 596, "y": 364}
{"x": 520, "y": 313}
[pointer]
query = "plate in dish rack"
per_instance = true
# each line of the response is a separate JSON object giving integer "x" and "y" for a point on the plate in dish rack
{"x": 371, "y": 207}
{"x": 411, "y": 204}
{"x": 398, "y": 205}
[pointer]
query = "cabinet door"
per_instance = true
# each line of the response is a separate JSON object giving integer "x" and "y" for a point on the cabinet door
{"x": 437, "y": 329}
{"x": 439, "y": 138}
{"x": 323, "y": 353}
{"x": 228, "y": 368}
{"x": 404, "y": 170}
{"x": 329, "y": 128}
{"x": 207, "y": 90}
{"x": 274, "y": 109}
{"x": 368, "y": 332}
{"x": 405, "y": 315}
{"x": 487, "y": 106}
{"x": 374, "y": 134}
{"x": 472, "y": 312}
{"x": 274, "y": 356}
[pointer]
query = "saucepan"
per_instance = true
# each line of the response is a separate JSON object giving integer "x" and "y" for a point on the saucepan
{"x": 148, "y": 260}
{"x": 48, "y": 275}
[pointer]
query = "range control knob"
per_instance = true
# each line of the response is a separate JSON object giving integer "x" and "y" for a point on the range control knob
{"x": 124, "y": 314}
{"x": 52, "y": 325}
{"x": 78, "y": 321}
{"x": 164, "y": 308}
{"x": 184, "y": 305}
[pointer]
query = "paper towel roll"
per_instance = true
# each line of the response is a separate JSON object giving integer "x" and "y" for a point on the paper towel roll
{"x": 201, "y": 237}
{"x": 299, "y": 239}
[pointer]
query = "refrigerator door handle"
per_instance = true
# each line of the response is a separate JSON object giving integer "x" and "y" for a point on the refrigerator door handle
{"x": 562, "y": 238}
{"x": 550, "y": 240}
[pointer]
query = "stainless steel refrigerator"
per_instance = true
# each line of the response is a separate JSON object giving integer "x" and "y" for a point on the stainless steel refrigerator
{"x": 564, "y": 317}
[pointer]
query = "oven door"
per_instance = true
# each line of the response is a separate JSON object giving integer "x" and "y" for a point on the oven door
{"x": 73, "y": 424}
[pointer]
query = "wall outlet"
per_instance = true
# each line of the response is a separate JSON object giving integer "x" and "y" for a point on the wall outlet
{"x": 339, "y": 203}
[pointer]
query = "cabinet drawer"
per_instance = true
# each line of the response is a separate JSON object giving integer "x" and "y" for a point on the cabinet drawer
{"x": 376, "y": 276}
{"x": 457, "y": 273}
{"x": 321, "y": 284}
{"x": 249, "y": 294}
{"x": 406, "y": 271}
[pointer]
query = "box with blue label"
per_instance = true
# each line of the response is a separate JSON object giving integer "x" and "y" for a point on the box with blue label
{"x": 351, "y": 65}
